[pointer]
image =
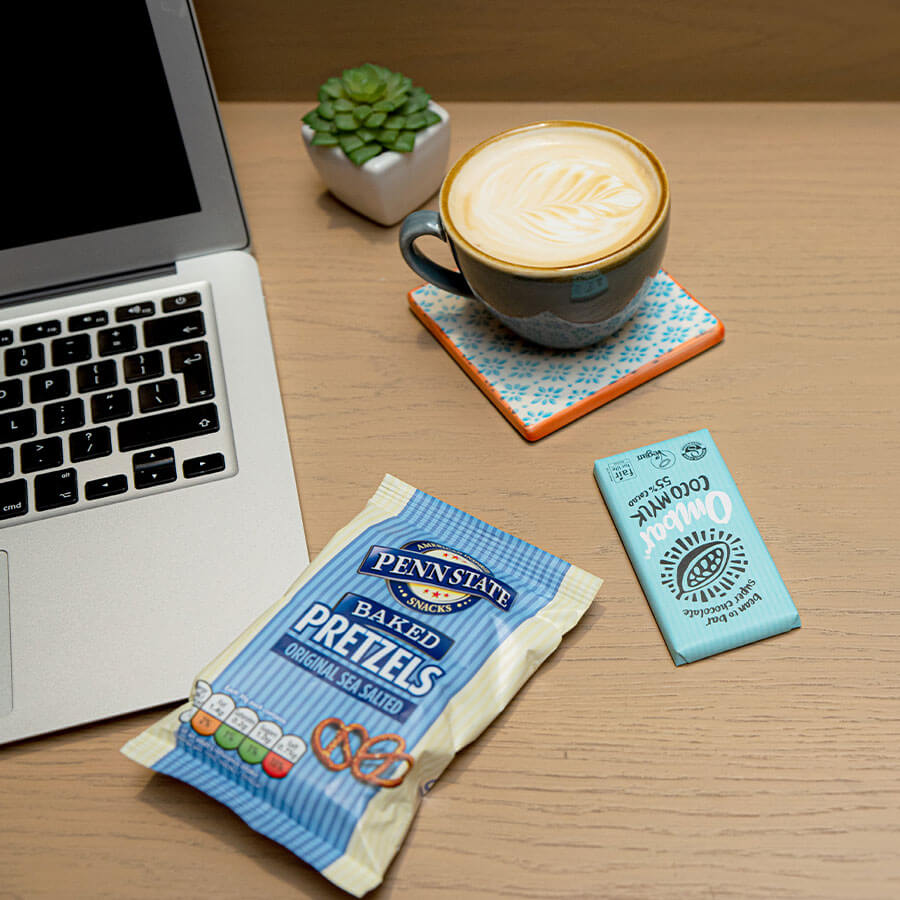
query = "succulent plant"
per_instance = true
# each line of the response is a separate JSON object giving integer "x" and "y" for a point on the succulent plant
{"x": 369, "y": 110}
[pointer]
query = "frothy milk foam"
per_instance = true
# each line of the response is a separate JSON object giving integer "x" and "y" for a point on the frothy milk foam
{"x": 555, "y": 196}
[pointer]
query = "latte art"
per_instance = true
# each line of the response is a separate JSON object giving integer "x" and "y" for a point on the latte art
{"x": 554, "y": 197}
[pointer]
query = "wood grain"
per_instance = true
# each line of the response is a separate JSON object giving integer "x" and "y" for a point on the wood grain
{"x": 772, "y": 771}
{"x": 562, "y": 49}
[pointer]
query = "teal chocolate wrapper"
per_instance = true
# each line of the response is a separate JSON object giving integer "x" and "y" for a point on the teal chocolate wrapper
{"x": 709, "y": 579}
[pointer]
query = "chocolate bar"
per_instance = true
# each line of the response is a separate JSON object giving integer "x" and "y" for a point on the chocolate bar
{"x": 706, "y": 573}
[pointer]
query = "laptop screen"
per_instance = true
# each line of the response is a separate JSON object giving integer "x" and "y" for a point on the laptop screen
{"x": 91, "y": 141}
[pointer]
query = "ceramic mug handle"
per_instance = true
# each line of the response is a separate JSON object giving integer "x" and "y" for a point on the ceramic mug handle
{"x": 428, "y": 222}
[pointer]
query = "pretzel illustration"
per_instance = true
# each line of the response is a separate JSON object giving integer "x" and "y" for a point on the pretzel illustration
{"x": 354, "y": 760}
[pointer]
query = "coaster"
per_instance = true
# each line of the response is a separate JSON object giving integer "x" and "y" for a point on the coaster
{"x": 539, "y": 390}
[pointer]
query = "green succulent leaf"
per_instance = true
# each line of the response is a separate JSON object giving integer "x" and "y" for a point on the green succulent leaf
{"x": 326, "y": 110}
{"x": 405, "y": 141}
{"x": 388, "y": 135}
{"x": 375, "y": 120}
{"x": 343, "y": 105}
{"x": 392, "y": 82}
{"x": 416, "y": 121}
{"x": 323, "y": 139}
{"x": 345, "y": 122}
{"x": 417, "y": 101}
{"x": 398, "y": 122}
{"x": 431, "y": 117}
{"x": 366, "y": 136}
{"x": 364, "y": 153}
{"x": 333, "y": 88}
{"x": 361, "y": 112}
{"x": 349, "y": 142}
{"x": 317, "y": 123}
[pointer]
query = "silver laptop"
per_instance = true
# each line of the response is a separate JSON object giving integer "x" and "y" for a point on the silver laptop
{"x": 148, "y": 510}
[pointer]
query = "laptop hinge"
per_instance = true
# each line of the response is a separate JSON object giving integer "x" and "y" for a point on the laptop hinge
{"x": 88, "y": 284}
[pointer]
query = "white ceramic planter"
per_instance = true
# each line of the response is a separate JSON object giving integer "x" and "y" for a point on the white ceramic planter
{"x": 391, "y": 184}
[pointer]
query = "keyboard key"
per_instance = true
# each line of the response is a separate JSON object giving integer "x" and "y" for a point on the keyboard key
{"x": 182, "y": 301}
{"x": 203, "y": 465}
{"x": 143, "y": 365}
{"x": 158, "y": 395}
{"x": 38, "y": 330}
{"x": 6, "y": 337}
{"x": 88, "y": 320}
{"x": 105, "y": 487}
{"x": 18, "y": 425}
{"x": 90, "y": 444}
{"x": 64, "y": 415}
{"x": 176, "y": 328}
{"x": 6, "y": 462}
{"x": 10, "y": 394}
{"x": 192, "y": 361}
{"x": 27, "y": 358}
{"x": 64, "y": 351}
{"x": 96, "y": 376}
{"x": 154, "y": 457}
{"x": 169, "y": 426}
{"x": 55, "y": 489}
{"x": 49, "y": 386}
{"x": 117, "y": 340}
{"x": 111, "y": 405}
{"x": 13, "y": 498}
{"x": 43, "y": 454}
{"x": 154, "y": 467}
{"x": 135, "y": 311}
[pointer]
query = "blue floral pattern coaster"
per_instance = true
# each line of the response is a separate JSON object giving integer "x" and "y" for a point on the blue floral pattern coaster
{"x": 540, "y": 390}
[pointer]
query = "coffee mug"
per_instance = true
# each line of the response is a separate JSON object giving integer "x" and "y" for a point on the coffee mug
{"x": 558, "y": 228}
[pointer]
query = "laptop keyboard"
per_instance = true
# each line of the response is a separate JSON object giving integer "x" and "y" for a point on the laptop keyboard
{"x": 110, "y": 402}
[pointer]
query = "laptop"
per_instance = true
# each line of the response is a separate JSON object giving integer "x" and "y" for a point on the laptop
{"x": 148, "y": 508}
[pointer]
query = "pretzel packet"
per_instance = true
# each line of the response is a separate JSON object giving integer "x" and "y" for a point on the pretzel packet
{"x": 328, "y": 719}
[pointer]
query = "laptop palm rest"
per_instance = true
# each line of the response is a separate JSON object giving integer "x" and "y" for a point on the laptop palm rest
{"x": 5, "y": 645}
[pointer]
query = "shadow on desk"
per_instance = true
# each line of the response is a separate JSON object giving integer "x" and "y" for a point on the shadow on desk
{"x": 195, "y": 809}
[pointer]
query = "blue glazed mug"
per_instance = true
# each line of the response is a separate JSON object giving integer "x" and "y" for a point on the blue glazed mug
{"x": 566, "y": 306}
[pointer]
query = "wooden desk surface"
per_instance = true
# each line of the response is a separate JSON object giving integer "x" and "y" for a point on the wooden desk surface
{"x": 771, "y": 771}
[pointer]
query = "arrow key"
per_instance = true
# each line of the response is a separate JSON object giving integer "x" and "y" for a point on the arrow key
{"x": 203, "y": 465}
{"x": 154, "y": 467}
{"x": 105, "y": 487}
{"x": 55, "y": 489}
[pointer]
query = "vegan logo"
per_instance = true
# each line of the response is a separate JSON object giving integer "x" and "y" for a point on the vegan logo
{"x": 435, "y": 579}
{"x": 703, "y": 565}
{"x": 660, "y": 459}
{"x": 663, "y": 459}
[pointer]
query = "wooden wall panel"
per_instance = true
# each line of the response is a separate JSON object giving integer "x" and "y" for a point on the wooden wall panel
{"x": 564, "y": 50}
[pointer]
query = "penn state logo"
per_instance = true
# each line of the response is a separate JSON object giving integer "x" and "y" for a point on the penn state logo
{"x": 703, "y": 565}
{"x": 435, "y": 579}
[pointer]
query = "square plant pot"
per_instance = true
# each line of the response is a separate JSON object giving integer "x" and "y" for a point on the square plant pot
{"x": 390, "y": 185}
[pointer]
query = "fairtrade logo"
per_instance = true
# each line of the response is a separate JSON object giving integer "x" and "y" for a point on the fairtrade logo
{"x": 703, "y": 565}
{"x": 435, "y": 579}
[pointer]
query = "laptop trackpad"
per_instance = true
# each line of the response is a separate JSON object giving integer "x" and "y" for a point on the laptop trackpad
{"x": 5, "y": 645}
